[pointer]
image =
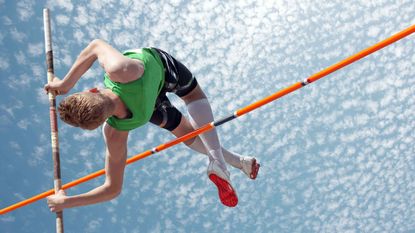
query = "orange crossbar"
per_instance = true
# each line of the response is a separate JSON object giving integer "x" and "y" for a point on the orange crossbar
{"x": 329, "y": 70}
{"x": 238, "y": 113}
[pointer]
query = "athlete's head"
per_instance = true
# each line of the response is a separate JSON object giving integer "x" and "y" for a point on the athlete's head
{"x": 87, "y": 110}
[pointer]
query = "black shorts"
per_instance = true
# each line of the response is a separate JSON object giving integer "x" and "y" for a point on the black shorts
{"x": 177, "y": 79}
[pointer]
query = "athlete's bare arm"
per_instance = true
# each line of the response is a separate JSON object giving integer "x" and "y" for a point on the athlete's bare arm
{"x": 118, "y": 67}
{"x": 114, "y": 169}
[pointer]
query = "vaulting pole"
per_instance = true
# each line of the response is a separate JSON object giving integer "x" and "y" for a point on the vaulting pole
{"x": 53, "y": 119}
{"x": 237, "y": 113}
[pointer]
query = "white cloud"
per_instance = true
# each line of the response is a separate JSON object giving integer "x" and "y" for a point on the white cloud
{"x": 93, "y": 225}
{"x": 62, "y": 4}
{"x": 25, "y": 9}
{"x": 18, "y": 83}
{"x": 79, "y": 36}
{"x": 18, "y": 36}
{"x": 67, "y": 60}
{"x": 7, "y": 21}
{"x": 62, "y": 20}
{"x": 14, "y": 145}
{"x": 1, "y": 38}
{"x": 83, "y": 16}
{"x": 4, "y": 63}
{"x": 35, "y": 49}
{"x": 23, "y": 124}
{"x": 20, "y": 58}
{"x": 38, "y": 156}
{"x": 12, "y": 107}
{"x": 8, "y": 219}
{"x": 38, "y": 73}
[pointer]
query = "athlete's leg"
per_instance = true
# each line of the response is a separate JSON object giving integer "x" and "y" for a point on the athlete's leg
{"x": 198, "y": 106}
{"x": 201, "y": 113}
{"x": 179, "y": 80}
{"x": 246, "y": 164}
{"x": 196, "y": 143}
{"x": 168, "y": 117}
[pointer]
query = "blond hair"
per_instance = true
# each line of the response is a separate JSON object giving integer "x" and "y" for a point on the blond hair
{"x": 86, "y": 110}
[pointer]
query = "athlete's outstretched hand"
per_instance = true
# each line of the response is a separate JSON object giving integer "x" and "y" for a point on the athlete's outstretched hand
{"x": 57, "y": 87}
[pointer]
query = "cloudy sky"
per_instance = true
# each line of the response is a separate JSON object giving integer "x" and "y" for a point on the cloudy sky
{"x": 337, "y": 156}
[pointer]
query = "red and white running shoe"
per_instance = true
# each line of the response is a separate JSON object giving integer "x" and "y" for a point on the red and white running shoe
{"x": 250, "y": 167}
{"x": 220, "y": 178}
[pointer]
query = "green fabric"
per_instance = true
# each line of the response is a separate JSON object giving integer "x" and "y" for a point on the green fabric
{"x": 140, "y": 95}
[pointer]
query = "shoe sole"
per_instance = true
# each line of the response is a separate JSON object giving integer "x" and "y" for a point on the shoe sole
{"x": 226, "y": 193}
{"x": 254, "y": 169}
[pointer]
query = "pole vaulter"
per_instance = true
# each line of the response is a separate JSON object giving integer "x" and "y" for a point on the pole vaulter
{"x": 408, "y": 31}
{"x": 53, "y": 119}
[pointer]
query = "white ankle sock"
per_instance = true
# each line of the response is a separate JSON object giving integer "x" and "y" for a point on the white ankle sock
{"x": 231, "y": 158}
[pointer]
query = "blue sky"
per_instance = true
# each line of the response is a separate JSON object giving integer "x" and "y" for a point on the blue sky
{"x": 337, "y": 156}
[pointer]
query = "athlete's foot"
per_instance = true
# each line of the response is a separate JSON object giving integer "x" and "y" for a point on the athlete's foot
{"x": 250, "y": 167}
{"x": 220, "y": 177}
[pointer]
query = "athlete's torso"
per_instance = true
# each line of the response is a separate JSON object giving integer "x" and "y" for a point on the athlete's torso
{"x": 139, "y": 96}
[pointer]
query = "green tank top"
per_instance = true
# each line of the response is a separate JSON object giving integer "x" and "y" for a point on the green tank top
{"x": 140, "y": 95}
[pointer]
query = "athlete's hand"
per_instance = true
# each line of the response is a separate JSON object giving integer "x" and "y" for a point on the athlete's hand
{"x": 57, "y": 87}
{"x": 56, "y": 202}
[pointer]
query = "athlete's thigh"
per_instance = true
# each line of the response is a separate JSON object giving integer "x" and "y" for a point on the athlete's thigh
{"x": 178, "y": 78}
{"x": 165, "y": 115}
